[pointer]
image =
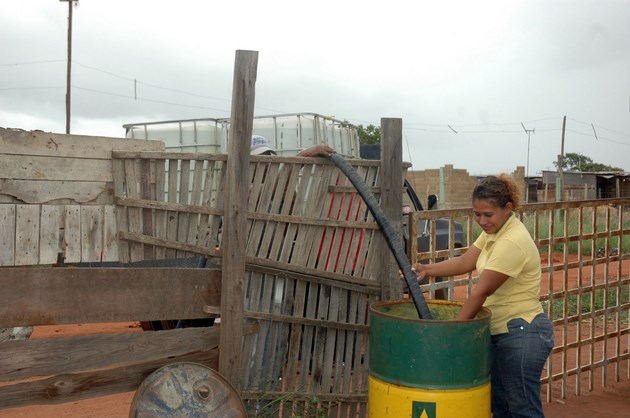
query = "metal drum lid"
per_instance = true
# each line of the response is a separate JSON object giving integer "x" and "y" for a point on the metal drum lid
{"x": 186, "y": 390}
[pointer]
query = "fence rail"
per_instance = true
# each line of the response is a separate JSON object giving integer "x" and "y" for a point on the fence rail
{"x": 585, "y": 254}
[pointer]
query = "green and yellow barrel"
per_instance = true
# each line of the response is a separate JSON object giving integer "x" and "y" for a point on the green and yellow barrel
{"x": 428, "y": 368}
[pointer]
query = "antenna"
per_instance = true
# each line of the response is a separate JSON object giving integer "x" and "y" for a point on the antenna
{"x": 408, "y": 150}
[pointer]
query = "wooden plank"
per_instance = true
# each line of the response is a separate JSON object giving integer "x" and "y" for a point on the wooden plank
{"x": 27, "y": 234}
{"x": 183, "y": 219}
{"x": 309, "y": 238}
{"x": 293, "y": 355}
{"x": 28, "y": 167}
{"x": 7, "y": 234}
{"x": 216, "y": 222}
{"x": 171, "y": 227}
{"x": 331, "y": 340}
{"x": 45, "y": 191}
{"x": 235, "y": 209}
{"x": 77, "y": 386}
{"x": 168, "y": 155}
{"x": 118, "y": 168}
{"x": 147, "y": 192}
{"x": 110, "y": 231}
{"x": 160, "y": 215}
{"x": 132, "y": 178}
{"x": 19, "y": 142}
{"x": 72, "y": 233}
{"x": 50, "y": 233}
{"x": 261, "y": 364}
{"x": 262, "y": 191}
{"x": 203, "y": 236}
{"x": 52, "y": 356}
{"x": 91, "y": 233}
{"x": 367, "y": 235}
{"x": 47, "y": 296}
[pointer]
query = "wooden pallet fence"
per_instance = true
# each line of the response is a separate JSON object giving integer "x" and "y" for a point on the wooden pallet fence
{"x": 310, "y": 264}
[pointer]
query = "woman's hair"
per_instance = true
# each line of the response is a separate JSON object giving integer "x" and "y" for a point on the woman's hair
{"x": 500, "y": 189}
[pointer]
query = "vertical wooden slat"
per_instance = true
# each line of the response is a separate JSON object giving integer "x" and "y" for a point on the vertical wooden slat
{"x": 72, "y": 233}
{"x": 591, "y": 338}
{"x": 183, "y": 219}
{"x": 366, "y": 237}
{"x": 265, "y": 184}
{"x": 251, "y": 350}
{"x": 203, "y": 237}
{"x": 122, "y": 219}
{"x": 296, "y": 336}
{"x": 160, "y": 215}
{"x": 7, "y": 235}
{"x": 91, "y": 233}
{"x": 195, "y": 199}
{"x": 110, "y": 240}
{"x": 312, "y": 242}
{"x": 50, "y": 233}
{"x": 216, "y": 221}
{"x": 27, "y": 234}
{"x": 147, "y": 214}
{"x": 235, "y": 214}
{"x": 331, "y": 341}
{"x": 172, "y": 216}
{"x": 135, "y": 214}
{"x": 296, "y": 209}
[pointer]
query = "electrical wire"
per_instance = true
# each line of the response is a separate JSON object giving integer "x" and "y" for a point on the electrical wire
{"x": 450, "y": 128}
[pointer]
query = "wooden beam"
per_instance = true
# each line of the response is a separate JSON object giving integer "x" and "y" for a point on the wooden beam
{"x": 71, "y": 387}
{"x": 235, "y": 209}
{"x": 51, "y": 356}
{"x": 391, "y": 201}
{"x": 47, "y": 296}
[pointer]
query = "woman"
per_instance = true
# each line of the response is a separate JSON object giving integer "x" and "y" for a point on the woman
{"x": 508, "y": 266}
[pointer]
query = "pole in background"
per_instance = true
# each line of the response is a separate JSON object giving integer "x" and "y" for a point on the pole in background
{"x": 559, "y": 179}
{"x": 69, "y": 69}
{"x": 528, "y": 132}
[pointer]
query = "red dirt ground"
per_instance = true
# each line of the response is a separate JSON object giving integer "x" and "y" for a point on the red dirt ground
{"x": 608, "y": 402}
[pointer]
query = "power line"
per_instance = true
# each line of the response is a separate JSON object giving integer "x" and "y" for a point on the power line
{"x": 444, "y": 128}
{"x": 148, "y": 100}
{"x": 17, "y": 64}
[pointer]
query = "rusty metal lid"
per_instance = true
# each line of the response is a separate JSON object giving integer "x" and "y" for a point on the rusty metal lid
{"x": 186, "y": 390}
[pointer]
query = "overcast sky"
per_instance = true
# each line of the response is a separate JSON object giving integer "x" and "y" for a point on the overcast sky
{"x": 487, "y": 70}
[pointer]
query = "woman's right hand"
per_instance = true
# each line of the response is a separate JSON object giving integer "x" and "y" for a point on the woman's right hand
{"x": 419, "y": 269}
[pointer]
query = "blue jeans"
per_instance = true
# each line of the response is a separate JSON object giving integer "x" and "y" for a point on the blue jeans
{"x": 518, "y": 358}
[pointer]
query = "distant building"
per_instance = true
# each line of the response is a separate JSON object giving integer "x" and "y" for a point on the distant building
{"x": 585, "y": 186}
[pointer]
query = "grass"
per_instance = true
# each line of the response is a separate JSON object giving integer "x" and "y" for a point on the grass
{"x": 312, "y": 407}
{"x": 579, "y": 222}
{"x": 584, "y": 305}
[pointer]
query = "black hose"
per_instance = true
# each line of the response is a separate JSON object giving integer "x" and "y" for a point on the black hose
{"x": 392, "y": 238}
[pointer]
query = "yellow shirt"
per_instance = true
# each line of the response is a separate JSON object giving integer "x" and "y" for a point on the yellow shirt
{"x": 511, "y": 251}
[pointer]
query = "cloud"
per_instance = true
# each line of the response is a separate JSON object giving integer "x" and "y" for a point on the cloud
{"x": 480, "y": 67}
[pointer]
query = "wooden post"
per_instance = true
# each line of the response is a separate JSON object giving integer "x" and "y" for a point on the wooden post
{"x": 442, "y": 201}
{"x": 235, "y": 215}
{"x": 391, "y": 200}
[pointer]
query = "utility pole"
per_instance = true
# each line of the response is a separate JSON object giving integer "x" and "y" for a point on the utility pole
{"x": 559, "y": 179}
{"x": 528, "y": 132}
{"x": 69, "y": 68}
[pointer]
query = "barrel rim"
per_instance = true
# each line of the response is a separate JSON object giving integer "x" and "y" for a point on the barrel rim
{"x": 483, "y": 315}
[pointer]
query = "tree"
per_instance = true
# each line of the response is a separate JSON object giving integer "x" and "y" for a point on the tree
{"x": 369, "y": 134}
{"x": 574, "y": 161}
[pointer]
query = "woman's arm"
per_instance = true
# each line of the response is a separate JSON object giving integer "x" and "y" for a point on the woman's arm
{"x": 488, "y": 283}
{"x": 451, "y": 267}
